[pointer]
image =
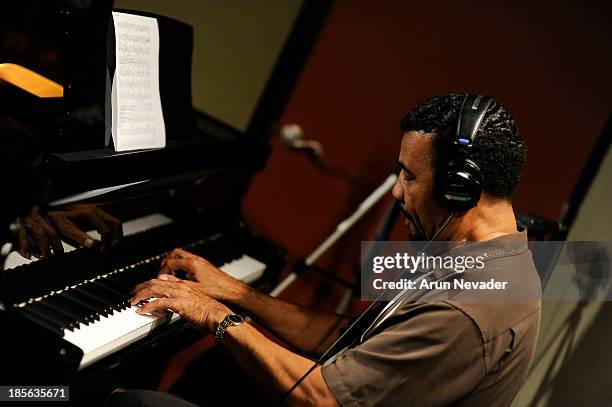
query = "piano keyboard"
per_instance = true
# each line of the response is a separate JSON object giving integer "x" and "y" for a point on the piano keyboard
{"x": 96, "y": 314}
{"x": 124, "y": 326}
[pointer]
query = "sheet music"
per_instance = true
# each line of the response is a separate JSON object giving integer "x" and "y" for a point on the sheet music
{"x": 137, "y": 118}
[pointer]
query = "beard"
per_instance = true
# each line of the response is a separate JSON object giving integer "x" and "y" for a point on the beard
{"x": 416, "y": 231}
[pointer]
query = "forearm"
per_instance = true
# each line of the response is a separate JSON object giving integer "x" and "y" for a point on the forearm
{"x": 306, "y": 329}
{"x": 277, "y": 369}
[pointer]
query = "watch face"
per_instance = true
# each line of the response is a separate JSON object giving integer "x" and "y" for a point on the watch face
{"x": 235, "y": 319}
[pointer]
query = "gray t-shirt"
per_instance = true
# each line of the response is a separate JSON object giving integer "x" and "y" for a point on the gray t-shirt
{"x": 449, "y": 348}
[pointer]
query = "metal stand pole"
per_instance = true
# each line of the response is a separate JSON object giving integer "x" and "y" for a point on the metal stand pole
{"x": 340, "y": 230}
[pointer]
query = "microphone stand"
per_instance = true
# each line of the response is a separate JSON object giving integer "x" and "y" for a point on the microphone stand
{"x": 343, "y": 227}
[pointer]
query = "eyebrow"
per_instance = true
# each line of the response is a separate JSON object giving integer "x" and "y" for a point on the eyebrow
{"x": 405, "y": 168}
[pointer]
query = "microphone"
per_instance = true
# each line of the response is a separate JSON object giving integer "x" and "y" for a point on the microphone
{"x": 292, "y": 137}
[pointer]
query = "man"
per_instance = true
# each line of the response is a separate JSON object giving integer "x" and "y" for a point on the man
{"x": 429, "y": 351}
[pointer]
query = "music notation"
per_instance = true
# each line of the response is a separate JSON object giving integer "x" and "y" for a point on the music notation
{"x": 137, "y": 118}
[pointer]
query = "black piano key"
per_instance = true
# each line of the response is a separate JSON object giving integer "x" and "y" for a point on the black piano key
{"x": 76, "y": 311}
{"x": 111, "y": 291}
{"x": 97, "y": 290}
{"x": 79, "y": 300}
{"x": 101, "y": 307}
{"x": 211, "y": 250}
{"x": 145, "y": 271}
{"x": 112, "y": 287}
{"x": 219, "y": 251}
{"x": 95, "y": 293}
{"x": 119, "y": 285}
{"x": 232, "y": 250}
{"x": 141, "y": 278}
{"x": 51, "y": 315}
{"x": 41, "y": 321}
{"x": 122, "y": 298}
{"x": 127, "y": 279}
{"x": 68, "y": 314}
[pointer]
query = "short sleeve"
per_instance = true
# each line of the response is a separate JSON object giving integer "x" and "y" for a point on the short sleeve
{"x": 425, "y": 354}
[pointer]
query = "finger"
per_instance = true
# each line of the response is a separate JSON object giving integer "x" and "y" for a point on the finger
{"x": 156, "y": 288}
{"x": 54, "y": 241}
{"x": 24, "y": 245}
{"x": 36, "y": 228}
{"x": 92, "y": 214}
{"x": 109, "y": 227}
{"x": 173, "y": 264}
{"x": 168, "y": 277}
{"x": 172, "y": 255}
{"x": 141, "y": 286}
{"x": 146, "y": 285}
{"x": 165, "y": 271}
{"x": 105, "y": 230}
{"x": 178, "y": 252}
{"x": 70, "y": 230}
{"x": 116, "y": 226}
{"x": 157, "y": 305}
{"x": 42, "y": 242}
{"x": 143, "y": 295}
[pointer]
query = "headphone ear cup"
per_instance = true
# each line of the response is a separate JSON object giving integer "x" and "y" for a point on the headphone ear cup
{"x": 459, "y": 185}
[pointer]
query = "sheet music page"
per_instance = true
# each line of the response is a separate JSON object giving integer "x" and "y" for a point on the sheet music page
{"x": 137, "y": 118}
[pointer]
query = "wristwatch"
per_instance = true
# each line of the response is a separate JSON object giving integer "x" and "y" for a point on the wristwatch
{"x": 229, "y": 320}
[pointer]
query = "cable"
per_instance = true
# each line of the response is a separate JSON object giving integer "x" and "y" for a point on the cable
{"x": 356, "y": 321}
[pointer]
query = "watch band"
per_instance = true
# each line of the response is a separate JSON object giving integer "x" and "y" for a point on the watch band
{"x": 229, "y": 320}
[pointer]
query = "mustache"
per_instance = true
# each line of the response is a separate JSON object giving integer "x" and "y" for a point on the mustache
{"x": 419, "y": 233}
{"x": 402, "y": 209}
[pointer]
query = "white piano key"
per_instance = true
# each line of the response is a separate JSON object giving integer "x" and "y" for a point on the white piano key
{"x": 245, "y": 269}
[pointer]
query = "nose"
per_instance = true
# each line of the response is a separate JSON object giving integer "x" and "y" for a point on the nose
{"x": 397, "y": 191}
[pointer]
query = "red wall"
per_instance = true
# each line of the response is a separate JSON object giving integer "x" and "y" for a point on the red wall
{"x": 547, "y": 63}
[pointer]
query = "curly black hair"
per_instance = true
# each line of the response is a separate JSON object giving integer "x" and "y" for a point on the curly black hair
{"x": 498, "y": 150}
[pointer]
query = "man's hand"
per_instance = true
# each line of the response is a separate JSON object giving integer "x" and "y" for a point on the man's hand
{"x": 215, "y": 282}
{"x": 186, "y": 298}
{"x": 42, "y": 234}
{"x": 38, "y": 235}
{"x": 89, "y": 216}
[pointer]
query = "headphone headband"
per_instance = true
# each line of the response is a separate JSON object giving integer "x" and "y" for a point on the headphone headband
{"x": 473, "y": 110}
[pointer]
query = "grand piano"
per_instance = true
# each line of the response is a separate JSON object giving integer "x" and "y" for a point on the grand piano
{"x": 66, "y": 317}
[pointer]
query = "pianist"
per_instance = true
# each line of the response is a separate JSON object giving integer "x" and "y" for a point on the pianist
{"x": 429, "y": 353}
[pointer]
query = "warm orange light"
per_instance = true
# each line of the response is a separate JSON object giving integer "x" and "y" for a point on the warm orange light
{"x": 30, "y": 81}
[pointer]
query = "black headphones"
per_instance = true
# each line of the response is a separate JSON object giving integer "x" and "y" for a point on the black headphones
{"x": 459, "y": 182}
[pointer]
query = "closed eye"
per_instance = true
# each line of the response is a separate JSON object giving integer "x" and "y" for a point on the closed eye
{"x": 408, "y": 175}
